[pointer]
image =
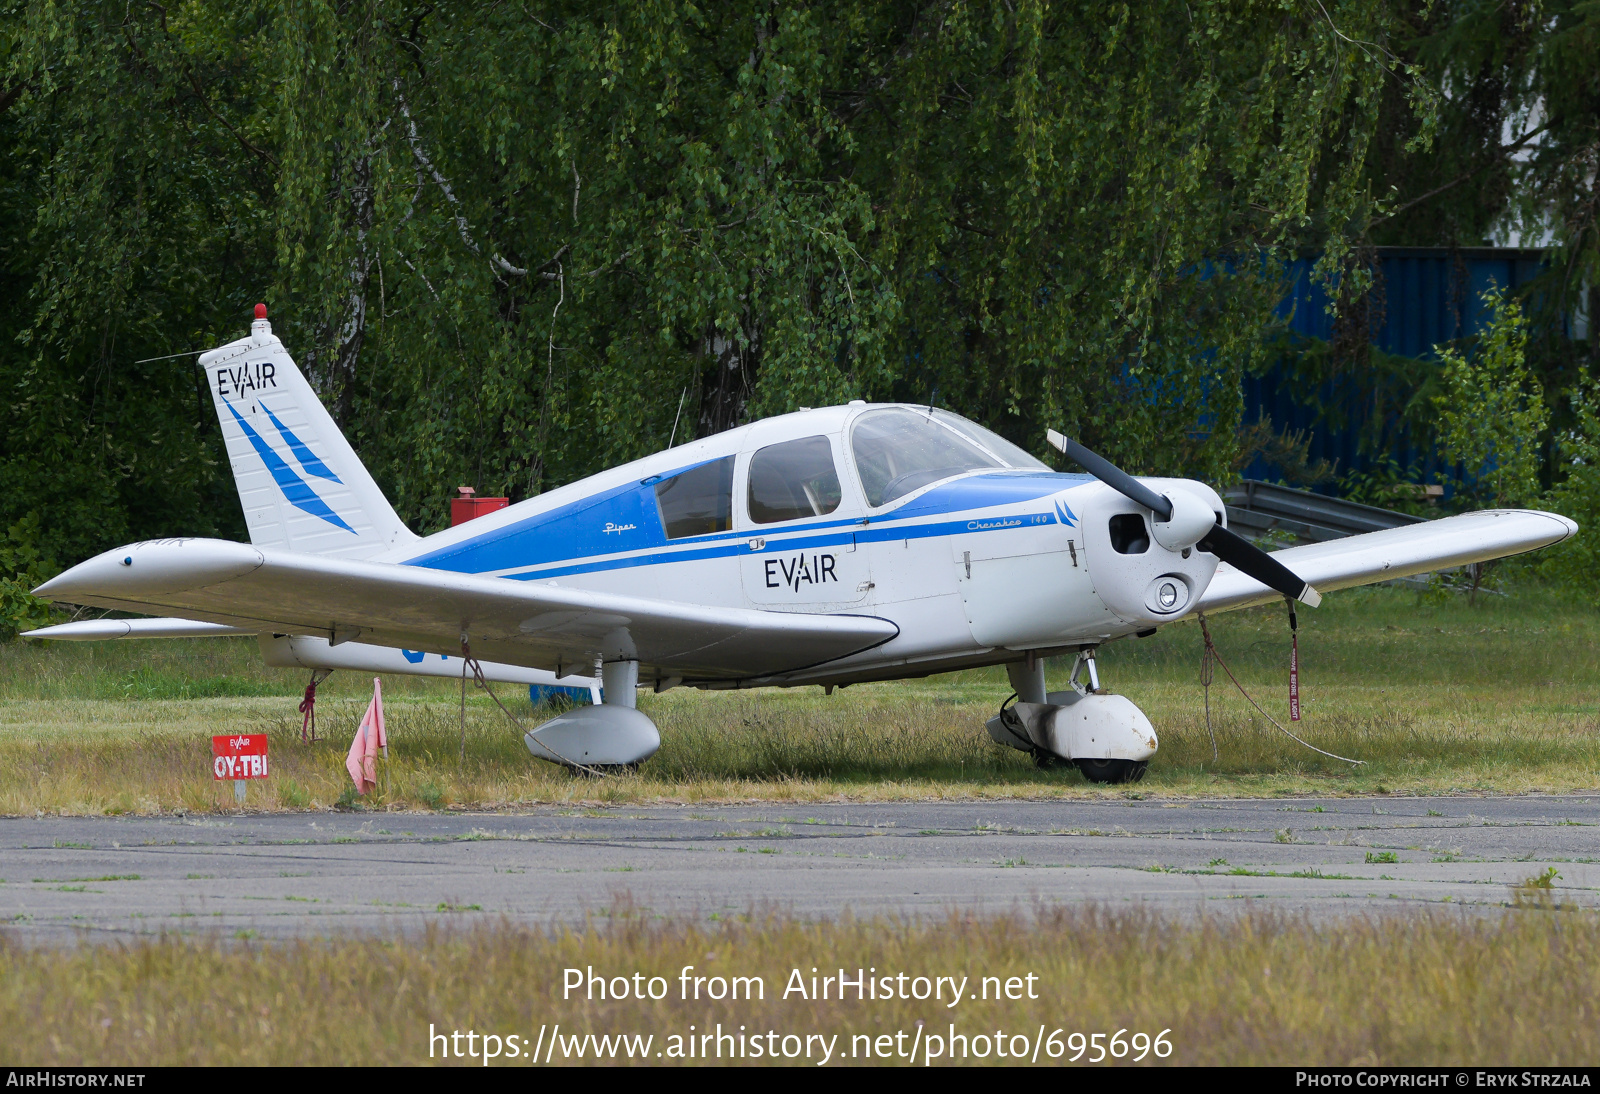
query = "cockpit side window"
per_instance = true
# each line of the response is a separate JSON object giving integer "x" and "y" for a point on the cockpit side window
{"x": 792, "y": 480}
{"x": 697, "y": 501}
{"x": 898, "y": 451}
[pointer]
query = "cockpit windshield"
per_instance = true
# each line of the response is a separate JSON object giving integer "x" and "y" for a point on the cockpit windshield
{"x": 898, "y": 451}
{"x": 996, "y": 444}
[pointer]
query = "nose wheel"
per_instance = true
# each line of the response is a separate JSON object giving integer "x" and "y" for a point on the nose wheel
{"x": 1108, "y": 738}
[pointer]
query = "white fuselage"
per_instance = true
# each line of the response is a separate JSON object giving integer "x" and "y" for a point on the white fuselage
{"x": 971, "y": 567}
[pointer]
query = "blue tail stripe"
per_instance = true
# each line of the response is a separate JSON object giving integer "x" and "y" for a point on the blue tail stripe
{"x": 302, "y": 452}
{"x": 293, "y": 486}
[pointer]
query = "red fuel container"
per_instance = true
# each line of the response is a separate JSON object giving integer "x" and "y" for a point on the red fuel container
{"x": 466, "y": 507}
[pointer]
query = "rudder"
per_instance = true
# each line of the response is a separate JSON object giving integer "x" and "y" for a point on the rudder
{"x": 301, "y": 484}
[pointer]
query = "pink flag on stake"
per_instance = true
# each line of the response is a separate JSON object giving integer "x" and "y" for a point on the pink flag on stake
{"x": 361, "y": 761}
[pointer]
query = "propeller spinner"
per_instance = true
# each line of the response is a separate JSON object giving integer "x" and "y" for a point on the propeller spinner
{"x": 1179, "y": 523}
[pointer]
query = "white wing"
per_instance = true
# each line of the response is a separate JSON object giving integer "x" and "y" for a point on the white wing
{"x": 1395, "y": 552}
{"x": 416, "y": 608}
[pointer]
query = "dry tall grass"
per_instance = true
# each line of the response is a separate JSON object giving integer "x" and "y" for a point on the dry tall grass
{"x": 1438, "y": 698}
{"x": 1253, "y": 990}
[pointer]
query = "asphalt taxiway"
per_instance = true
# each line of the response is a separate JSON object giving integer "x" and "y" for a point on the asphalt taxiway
{"x": 281, "y": 875}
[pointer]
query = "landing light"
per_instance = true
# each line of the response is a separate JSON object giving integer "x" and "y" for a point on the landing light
{"x": 1167, "y": 595}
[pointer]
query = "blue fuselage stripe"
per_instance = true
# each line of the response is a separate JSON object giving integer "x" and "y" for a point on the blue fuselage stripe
{"x": 869, "y": 534}
{"x": 554, "y": 532}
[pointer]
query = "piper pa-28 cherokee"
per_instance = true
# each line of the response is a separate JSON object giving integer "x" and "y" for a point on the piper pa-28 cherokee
{"x": 829, "y": 546}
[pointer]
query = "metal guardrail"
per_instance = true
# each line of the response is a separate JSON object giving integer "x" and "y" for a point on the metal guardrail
{"x": 1256, "y": 508}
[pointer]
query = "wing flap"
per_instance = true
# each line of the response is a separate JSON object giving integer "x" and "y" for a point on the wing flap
{"x": 416, "y": 608}
{"x": 1395, "y": 552}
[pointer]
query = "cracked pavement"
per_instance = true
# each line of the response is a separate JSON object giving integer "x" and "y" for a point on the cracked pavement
{"x": 290, "y": 875}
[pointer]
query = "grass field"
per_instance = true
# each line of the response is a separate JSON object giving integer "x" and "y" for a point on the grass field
{"x": 1441, "y": 990}
{"x": 1435, "y": 697}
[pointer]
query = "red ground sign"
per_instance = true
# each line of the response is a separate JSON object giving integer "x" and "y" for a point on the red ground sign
{"x": 239, "y": 756}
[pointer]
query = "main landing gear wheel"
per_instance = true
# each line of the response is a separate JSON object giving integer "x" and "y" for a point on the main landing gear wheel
{"x": 1113, "y": 771}
{"x": 604, "y": 771}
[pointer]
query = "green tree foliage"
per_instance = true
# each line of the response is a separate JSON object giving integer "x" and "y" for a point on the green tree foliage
{"x": 1576, "y": 563}
{"x": 1511, "y": 155}
{"x": 1491, "y": 410}
{"x": 1514, "y": 144}
{"x": 508, "y": 241}
{"x": 1514, "y": 152}
{"x": 22, "y": 567}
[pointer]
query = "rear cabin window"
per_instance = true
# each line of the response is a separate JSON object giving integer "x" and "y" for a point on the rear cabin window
{"x": 697, "y": 501}
{"x": 898, "y": 451}
{"x": 792, "y": 480}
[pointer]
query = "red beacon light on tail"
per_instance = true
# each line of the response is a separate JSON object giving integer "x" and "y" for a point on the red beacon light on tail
{"x": 467, "y": 507}
{"x": 261, "y": 311}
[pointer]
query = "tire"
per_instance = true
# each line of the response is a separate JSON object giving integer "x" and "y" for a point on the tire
{"x": 1046, "y": 761}
{"x": 1113, "y": 771}
{"x": 604, "y": 771}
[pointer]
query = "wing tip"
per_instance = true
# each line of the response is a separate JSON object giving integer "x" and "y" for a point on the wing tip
{"x": 1569, "y": 527}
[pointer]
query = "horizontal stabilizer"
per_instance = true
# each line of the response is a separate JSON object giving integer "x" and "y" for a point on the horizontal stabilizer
{"x": 100, "y": 630}
{"x": 310, "y": 652}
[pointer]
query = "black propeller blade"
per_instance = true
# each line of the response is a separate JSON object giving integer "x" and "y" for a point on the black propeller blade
{"x": 1239, "y": 553}
{"x": 1112, "y": 475}
{"x": 1246, "y": 557}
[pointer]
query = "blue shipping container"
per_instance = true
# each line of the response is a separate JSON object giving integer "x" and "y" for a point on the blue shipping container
{"x": 1421, "y": 296}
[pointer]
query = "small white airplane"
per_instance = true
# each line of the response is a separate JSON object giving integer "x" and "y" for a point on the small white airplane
{"x": 829, "y": 546}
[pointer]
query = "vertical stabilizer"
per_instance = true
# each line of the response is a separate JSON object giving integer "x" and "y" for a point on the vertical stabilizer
{"x": 300, "y": 483}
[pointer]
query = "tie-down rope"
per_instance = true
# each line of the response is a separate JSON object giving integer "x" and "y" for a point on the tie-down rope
{"x": 1211, "y": 654}
{"x": 469, "y": 661}
{"x": 308, "y": 706}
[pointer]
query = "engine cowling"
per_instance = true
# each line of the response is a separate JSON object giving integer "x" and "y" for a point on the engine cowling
{"x": 1140, "y": 579}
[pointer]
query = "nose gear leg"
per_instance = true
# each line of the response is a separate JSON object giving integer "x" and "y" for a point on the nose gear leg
{"x": 1085, "y": 666}
{"x": 1027, "y": 679}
